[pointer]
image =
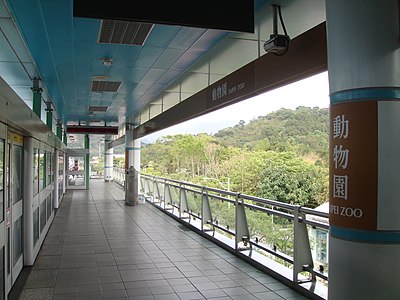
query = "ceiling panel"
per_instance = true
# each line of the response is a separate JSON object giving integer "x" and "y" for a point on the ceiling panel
{"x": 6, "y": 54}
{"x": 186, "y": 37}
{"x": 90, "y": 32}
{"x": 8, "y": 28}
{"x": 3, "y": 12}
{"x": 161, "y": 35}
{"x": 147, "y": 56}
{"x": 167, "y": 58}
{"x": 14, "y": 71}
{"x": 66, "y": 52}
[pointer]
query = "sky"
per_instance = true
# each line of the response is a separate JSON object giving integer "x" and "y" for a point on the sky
{"x": 311, "y": 92}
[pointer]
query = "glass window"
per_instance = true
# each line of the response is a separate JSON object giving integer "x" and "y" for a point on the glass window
{"x": 1, "y": 180}
{"x": 17, "y": 174}
{"x": 42, "y": 169}
{"x": 2, "y": 273}
{"x": 49, "y": 167}
{"x": 52, "y": 166}
{"x": 35, "y": 171}
{"x": 8, "y": 243}
{"x": 60, "y": 175}
{"x": 17, "y": 240}
{"x": 42, "y": 215}
{"x": 35, "y": 226}
{"x": 52, "y": 201}
{"x": 49, "y": 201}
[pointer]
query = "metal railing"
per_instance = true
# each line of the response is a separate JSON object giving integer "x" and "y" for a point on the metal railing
{"x": 118, "y": 176}
{"x": 278, "y": 236}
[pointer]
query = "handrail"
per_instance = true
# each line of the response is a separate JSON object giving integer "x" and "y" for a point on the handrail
{"x": 199, "y": 206}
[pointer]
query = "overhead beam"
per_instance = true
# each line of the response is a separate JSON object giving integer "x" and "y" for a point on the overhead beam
{"x": 78, "y": 129}
{"x": 307, "y": 56}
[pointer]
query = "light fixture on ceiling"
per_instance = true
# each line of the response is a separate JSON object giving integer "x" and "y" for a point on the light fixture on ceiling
{"x": 107, "y": 62}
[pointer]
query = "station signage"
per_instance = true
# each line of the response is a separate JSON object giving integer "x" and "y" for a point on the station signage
{"x": 353, "y": 165}
{"x": 231, "y": 88}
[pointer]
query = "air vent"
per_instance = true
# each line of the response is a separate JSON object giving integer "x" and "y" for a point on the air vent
{"x": 105, "y": 86}
{"x": 94, "y": 108}
{"x": 124, "y": 32}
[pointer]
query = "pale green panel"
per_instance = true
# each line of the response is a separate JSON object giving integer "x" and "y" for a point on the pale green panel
{"x": 233, "y": 54}
{"x": 194, "y": 82}
{"x": 215, "y": 77}
{"x": 184, "y": 96}
{"x": 174, "y": 88}
{"x": 155, "y": 108}
{"x": 201, "y": 66}
{"x": 144, "y": 117}
{"x": 170, "y": 99}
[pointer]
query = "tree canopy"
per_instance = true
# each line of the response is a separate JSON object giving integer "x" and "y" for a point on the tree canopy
{"x": 281, "y": 156}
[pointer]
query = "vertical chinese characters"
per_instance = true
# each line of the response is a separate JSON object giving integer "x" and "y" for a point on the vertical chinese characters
{"x": 340, "y": 156}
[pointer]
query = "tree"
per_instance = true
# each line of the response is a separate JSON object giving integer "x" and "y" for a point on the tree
{"x": 290, "y": 179}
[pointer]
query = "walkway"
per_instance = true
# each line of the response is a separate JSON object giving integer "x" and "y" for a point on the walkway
{"x": 98, "y": 248}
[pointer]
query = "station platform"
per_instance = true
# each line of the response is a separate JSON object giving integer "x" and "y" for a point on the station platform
{"x": 98, "y": 248}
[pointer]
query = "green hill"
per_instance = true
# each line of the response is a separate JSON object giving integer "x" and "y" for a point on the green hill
{"x": 303, "y": 130}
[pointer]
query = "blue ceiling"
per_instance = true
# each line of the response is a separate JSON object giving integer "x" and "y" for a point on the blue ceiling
{"x": 67, "y": 56}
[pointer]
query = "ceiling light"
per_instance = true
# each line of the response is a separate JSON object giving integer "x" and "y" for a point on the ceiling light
{"x": 107, "y": 62}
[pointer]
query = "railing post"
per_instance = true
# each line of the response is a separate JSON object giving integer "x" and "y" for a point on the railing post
{"x": 142, "y": 181}
{"x": 242, "y": 233}
{"x": 301, "y": 246}
{"x": 205, "y": 209}
{"x": 146, "y": 186}
{"x": 167, "y": 195}
{"x": 183, "y": 204}
{"x": 156, "y": 190}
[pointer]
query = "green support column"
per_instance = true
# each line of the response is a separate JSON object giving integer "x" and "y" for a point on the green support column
{"x": 87, "y": 163}
{"x": 59, "y": 131}
{"x": 65, "y": 138}
{"x": 37, "y": 97}
{"x": 49, "y": 119}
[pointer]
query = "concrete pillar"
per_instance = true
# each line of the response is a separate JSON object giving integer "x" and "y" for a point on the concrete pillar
{"x": 132, "y": 159}
{"x": 129, "y": 148}
{"x": 87, "y": 161}
{"x": 364, "y": 68}
{"x": 27, "y": 203}
{"x": 108, "y": 160}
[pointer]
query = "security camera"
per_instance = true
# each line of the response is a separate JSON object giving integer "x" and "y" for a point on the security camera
{"x": 277, "y": 43}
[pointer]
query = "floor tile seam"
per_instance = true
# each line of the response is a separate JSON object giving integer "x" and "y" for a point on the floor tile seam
{"x": 221, "y": 257}
{"x": 103, "y": 230}
{"x": 159, "y": 215}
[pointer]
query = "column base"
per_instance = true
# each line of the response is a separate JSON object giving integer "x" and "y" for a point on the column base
{"x": 363, "y": 271}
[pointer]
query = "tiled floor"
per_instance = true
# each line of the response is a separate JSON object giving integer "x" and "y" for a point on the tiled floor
{"x": 98, "y": 248}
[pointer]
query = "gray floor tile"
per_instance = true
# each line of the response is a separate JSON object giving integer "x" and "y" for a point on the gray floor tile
{"x": 37, "y": 294}
{"x": 41, "y": 279}
{"x": 98, "y": 248}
